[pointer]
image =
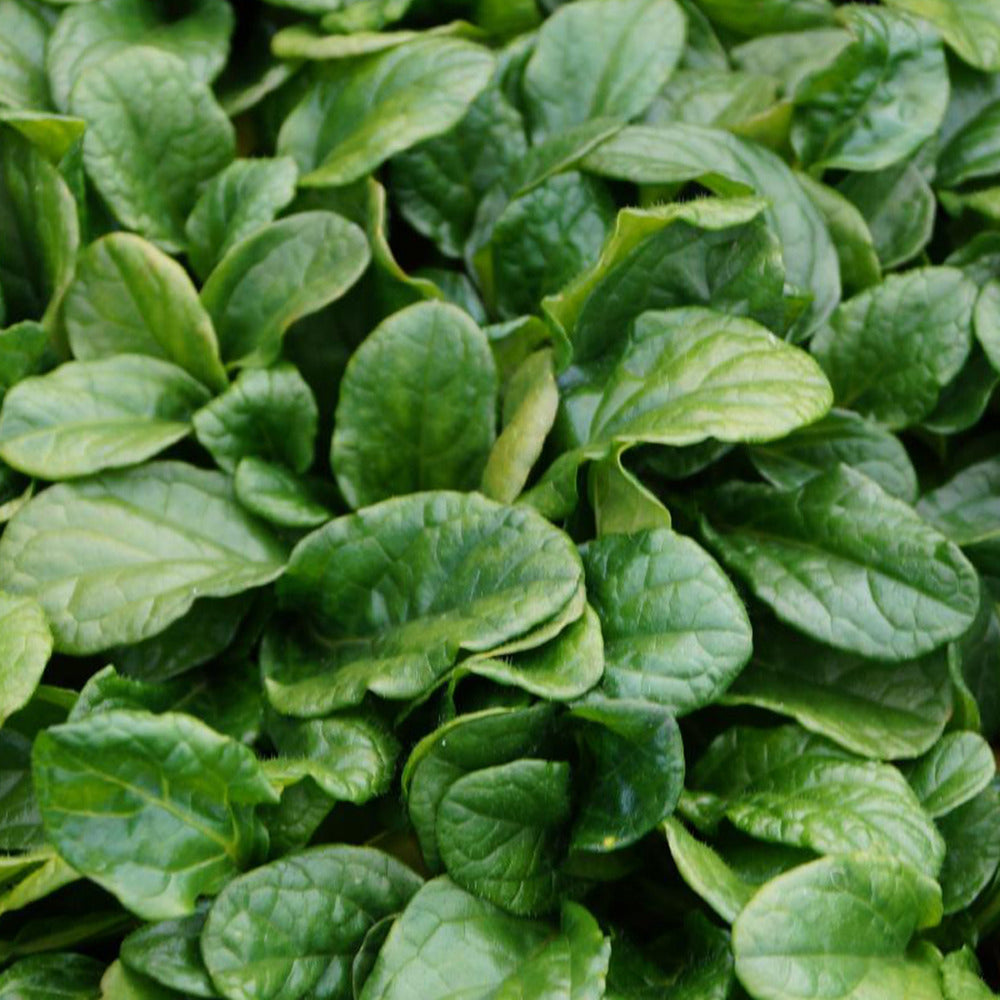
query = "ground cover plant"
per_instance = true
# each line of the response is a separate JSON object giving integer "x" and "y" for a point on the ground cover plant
{"x": 499, "y": 499}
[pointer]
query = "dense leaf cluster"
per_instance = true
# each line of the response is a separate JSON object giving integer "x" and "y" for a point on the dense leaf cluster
{"x": 499, "y": 499}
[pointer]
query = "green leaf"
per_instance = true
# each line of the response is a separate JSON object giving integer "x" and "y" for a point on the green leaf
{"x": 502, "y": 956}
{"x": 561, "y": 669}
{"x": 960, "y": 978}
{"x": 976, "y": 656}
{"x": 840, "y": 436}
{"x": 712, "y": 97}
{"x": 689, "y": 374}
{"x": 964, "y": 399}
{"x": 706, "y": 873}
{"x": 59, "y": 976}
{"x": 40, "y": 231}
{"x": 965, "y": 509}
{"x": 359, "y": 112}
{"x": 128, "y": 297}
{"x": 122, "y": 983}
{"x": 170, "y": 953}
{"x": 25, "y": 648}
{"x": 24, "y": 33}
{"x": 278, "y": 274}
{"x": 728, "y": 166}
{"x": 637, "y": 771}
{"x": 859, "y": 262}
{"x": 439, "y": 183}
{"x": 974, "y": 152}
{"x": 280, "y": 497}
{"x": 622, "y": 504}
{"x": 674, "y": 629}
{"x": 116, "y": 558}
{"x": 245, "y": 196}
{"x": 544, "y": 238}
{"x": 878, "y": 100}
{"x": 90, "y": 34}
{"x": 500, "y": 832}
{"x": 460, "y": 747}
{"x": 468, "y": 558}
{"x": 92, "y": 415}
{"x": 958, "y": 767}
{"x": 986, "y": 321}
{"x": 352, "y": 757}
{"x": 266, "y": 412}
{"x": 844, "y": 562}
{"x": 790, "y": 56}
{"x": 291, "y": 928}
{"x": 890, "y": 350}
{"x": 30, "y": 877}
{"x": 154, "y": 134}
{"x": 972, "y": 837}
{"x": 844, "y": 922}
{"x": 790, "y": 787}
{"x": 766, "y": 16}
{"x": 417, "y": 407}
{"x": 879, "y": 710}
{"x": 898, "y": 206}
{"x": 156, "y": 809}
{"x": 600, "y": 59}
{"x": 970, "y": 27}
{"x": 24, "y": 350}
{"x": 530, "y": 404}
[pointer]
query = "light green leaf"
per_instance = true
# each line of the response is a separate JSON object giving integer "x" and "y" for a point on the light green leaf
{"x": 960, "y": 977}
{"x": 972, "y": 836}
{"x": 706, "y": 873}
{"x": 965, "y": 509}
{"x": 27, "y": 878}
{"x": 878, "y": 100}
{"x": 25, "y": 648}
{"x": 890, "y": 350}
{"x": 128, "y": 297}
{"x": 417, "y": 407}
{"x": 351, "y": 756}
{"x": 500, "y": 832}
{"x": 55, "y": 136}
{"x": 840, "y": 436}
{"x": 154, "y": 134}
{"x": 359, "y": 576}
{"x": 91, "y": 415}
{"x": 790, "y": 787}
{"x": 970, "y": 27}
{"x": 629, "y": 49}
{"x": 844, "y": 562}
{"x": 156, "y": 809}
{"x": 40, "y": 229}
{"x": 122, "y": 983}
{"x": 563, "y": 668}
{"x": 729, "y": 166}
{"x": 24, "y": 33}
{"x": 359, "y": 112}
{"x": 844, "y": 922}
{"x": 267, "y": 412}
{"x": 957, "y": 768}
{"x": 790, "y": 56}
{"x": 92, "y": 33}
{"x": 674, "y": 629}
{"x": 245, "y": 196}
{"x": 622, "y": 504}
{"x": 280, "y": 273}
{"x": 878, "y": 710}
{"x": 712, "y": 97}
{"x": 280, "y": 497}
{"x": 291, "y": 928}
{"x": 58, "y": 976}
{"x": 986, "y": 321}
{"x": 116, "y": 558}
{"x": 530, "y": 404}
{"x": 689, "y": 374}
{"x": 637, "y": 771}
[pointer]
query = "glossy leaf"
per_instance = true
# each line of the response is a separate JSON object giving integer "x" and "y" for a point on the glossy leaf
{"x": 167, "y": 787}
{"x": 957, "y": 768}
{"x": 970, "y": 27}
{"x": 827, "y": 558}
{"x": 674, "y": 629}
{"x": 278, "y": 496}
{"x": 25, "y": 647}
{"x": 60, "y": 976}
{"x": 312, "y": 954}
{"x": 416, "y": 408}
{"x": 170, "y": 953}
{"x": 154, "y": 134}
{"x": 972, "y": 835}
{"x": 118, "y": 557}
